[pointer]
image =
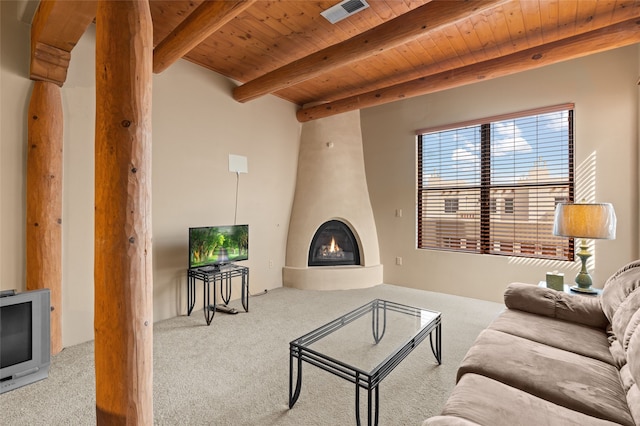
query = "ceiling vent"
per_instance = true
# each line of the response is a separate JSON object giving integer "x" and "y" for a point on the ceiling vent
{"x": 344, "y": 9}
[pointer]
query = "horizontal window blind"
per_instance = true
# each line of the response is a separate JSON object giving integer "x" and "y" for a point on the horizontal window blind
{"x": 449, "y": 164}
{"x": 491, "y": 187}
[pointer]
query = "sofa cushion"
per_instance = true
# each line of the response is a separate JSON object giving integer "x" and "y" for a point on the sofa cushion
{"x": 618, "y": 353}
{"x": 633, "y": 399}
{"x": 626, "y": 378}
{"x": 618, "y": 287}
{"x": 481, "y": 400}
{"x": 570, "y": 336}
{"x": 632, "y": 346}
{"x": 448, "y": 421}
{"x": 568, "y": 379}
{"x": 555, "y": 304}
{"x": 626, "y": 318}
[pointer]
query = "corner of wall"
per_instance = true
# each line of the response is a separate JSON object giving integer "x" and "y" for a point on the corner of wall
{"x": 637, "y": 248}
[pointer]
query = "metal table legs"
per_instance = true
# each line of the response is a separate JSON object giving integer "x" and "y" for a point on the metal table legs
{"x": 221, "y": 276}
{"x": 301, "y": 350}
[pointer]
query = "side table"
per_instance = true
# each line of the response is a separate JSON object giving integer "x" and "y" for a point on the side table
{"x": 211, "y": 276}
{"x": 567, "y": 289}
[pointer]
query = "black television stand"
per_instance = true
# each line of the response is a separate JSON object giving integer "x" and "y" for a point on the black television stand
{"x": 213, "y": 275}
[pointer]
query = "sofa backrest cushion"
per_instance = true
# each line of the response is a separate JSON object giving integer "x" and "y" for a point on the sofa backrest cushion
{"x": 626, "y": 319}
{"x": 632, "y": 345}
{"x": 621, "y": 305}
{"x": 616, "y": 298}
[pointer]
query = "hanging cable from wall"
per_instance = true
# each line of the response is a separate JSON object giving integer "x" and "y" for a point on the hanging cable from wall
{"x": 237, "y": 164}
{"x": 235, "y": 214}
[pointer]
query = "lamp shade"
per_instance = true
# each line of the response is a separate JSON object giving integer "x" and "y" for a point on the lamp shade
{"x": 585, "y": 221}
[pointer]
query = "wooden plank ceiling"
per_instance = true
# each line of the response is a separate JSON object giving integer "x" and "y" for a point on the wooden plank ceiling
{"x": 376, "y": 54}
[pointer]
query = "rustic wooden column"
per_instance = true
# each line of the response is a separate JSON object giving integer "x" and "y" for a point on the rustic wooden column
{"x": 123, "y": 276}
{"x": 44, "y": 200}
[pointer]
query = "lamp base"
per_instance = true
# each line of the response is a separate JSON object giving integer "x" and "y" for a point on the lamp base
{"x": 585, "y": 290}
{"x": 583, "y": 279}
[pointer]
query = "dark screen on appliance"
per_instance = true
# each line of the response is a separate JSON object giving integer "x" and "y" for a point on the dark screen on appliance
{"x": 15, "y": 334}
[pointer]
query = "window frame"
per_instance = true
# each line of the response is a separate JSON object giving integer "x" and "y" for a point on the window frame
{"x": 490, "y": 204}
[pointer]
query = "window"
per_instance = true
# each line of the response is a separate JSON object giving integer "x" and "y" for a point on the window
{"x": 508, "y": 206}
{"x": 499, "y": 180}
{"x": 451, "y": 205}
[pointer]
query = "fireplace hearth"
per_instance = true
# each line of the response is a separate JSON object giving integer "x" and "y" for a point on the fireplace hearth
{"x": 334, "y": 244}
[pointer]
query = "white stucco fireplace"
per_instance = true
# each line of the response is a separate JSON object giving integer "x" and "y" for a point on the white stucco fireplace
{"x": 331, "y": 187}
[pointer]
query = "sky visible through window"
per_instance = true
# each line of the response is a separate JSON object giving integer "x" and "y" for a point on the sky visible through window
{"x": 452, "y": 157}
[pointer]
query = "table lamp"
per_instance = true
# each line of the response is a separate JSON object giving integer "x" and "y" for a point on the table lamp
{"x": 581, "y": 220}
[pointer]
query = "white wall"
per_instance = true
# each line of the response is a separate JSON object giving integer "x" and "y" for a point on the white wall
{"x": 196, "y": 125}
{"x": 604, "y": 90}
{"x": 14, "y": 101}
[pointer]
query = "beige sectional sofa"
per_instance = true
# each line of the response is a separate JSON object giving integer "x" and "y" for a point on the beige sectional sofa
{"x": 553, "y": 358}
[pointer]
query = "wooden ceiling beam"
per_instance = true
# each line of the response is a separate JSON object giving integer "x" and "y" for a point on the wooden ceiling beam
{"x": 611, "y": 37}
{"x": 410, "y": 26}
{"x": 206, "y": 19}
{"x": 57, "y": 26}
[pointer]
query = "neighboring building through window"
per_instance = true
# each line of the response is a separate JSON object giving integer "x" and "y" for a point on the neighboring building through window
{"x": 499, "y": 180}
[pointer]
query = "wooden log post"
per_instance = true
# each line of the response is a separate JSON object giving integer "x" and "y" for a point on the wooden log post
{"x": 44, "y": 200}
{"x": 123, "y": 276}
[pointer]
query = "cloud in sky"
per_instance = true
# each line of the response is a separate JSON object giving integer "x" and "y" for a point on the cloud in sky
{"x": 555, "y": 121}
{"x": 455, "y": 155}
{"x": 466, "y": 159}
{"x": 507, "y": 139}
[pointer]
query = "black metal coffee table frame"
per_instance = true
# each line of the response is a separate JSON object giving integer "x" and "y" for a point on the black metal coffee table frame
{"x": 299, "y": 349}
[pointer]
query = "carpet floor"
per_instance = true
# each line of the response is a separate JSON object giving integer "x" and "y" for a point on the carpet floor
{"x": 236, "y": 371}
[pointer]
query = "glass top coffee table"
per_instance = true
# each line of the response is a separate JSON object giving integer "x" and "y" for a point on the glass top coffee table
{"x": 364, "y": 346}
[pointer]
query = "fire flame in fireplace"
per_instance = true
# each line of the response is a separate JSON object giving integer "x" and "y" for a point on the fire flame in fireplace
{"x": 333, "y": 247}
{"x": 331, "y": 250}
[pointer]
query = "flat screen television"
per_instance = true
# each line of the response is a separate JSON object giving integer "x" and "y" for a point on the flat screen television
{"x": 25, "y": 342}
{"x": 212, "y": 246}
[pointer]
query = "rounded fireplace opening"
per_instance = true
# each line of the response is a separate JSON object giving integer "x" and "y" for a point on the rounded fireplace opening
{"x": 334, "y": 244}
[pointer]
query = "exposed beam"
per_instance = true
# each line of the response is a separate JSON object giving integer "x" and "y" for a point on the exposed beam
{"x": 618, "y": 35}
{"x": 410, "y": 26}
{"x": 206, "y": 19}
{"x": 123, "y": 280}
{"x": 57, "y": 26}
